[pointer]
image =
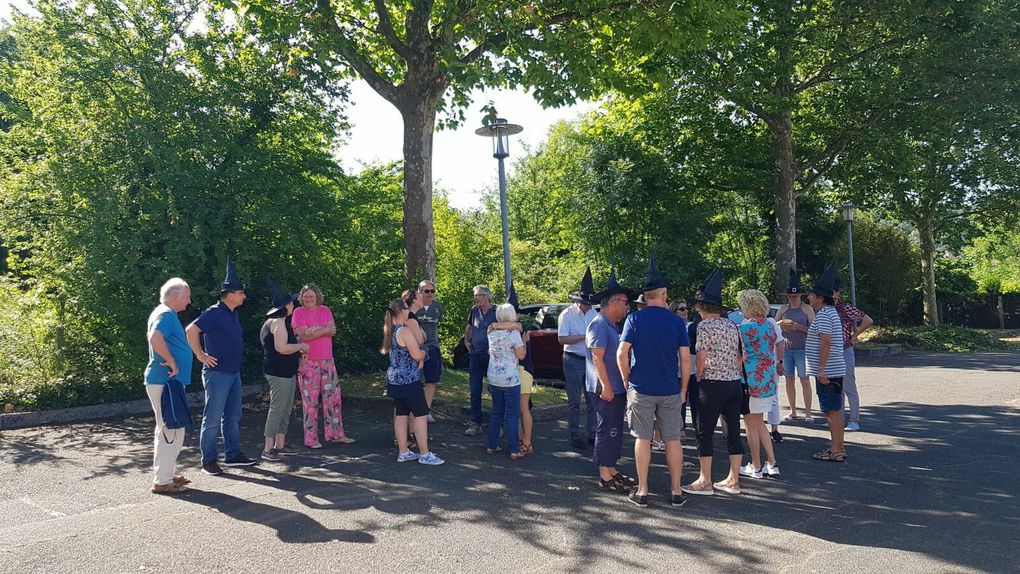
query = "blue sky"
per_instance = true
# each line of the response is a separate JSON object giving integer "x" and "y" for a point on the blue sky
{"x": 462, "y": 162}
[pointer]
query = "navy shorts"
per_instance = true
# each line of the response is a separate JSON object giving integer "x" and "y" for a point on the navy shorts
{"x": 830, "y": 396}
{"x": 433, "y": 366}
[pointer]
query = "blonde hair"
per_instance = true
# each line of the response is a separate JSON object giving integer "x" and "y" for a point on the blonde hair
{"x": 505, "y": 313}
{"x": 753, "y": 303}
{"x": 396, "y": 306}
{"x": 319, "y": 299}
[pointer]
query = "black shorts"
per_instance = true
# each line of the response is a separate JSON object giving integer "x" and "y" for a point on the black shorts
{"x": 433, "y": 366}
{"x": 413, "y": 404}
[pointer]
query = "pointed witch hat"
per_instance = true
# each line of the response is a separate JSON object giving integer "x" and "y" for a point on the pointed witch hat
{"x": 586, "y": 294}
{"x": 613, "y": 287}
{"x": 794, "y": 286}
{"x": 826, "y": 284}
{"x": 653, "y": 280}
{"x": 712, "y": 291}
{"x": 278, "y": 298}
{"x": 232, "y": 282}
{"x": 511, "y": 298}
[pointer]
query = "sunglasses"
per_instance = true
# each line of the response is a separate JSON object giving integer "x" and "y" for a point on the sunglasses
{"x": 681, "y": 308}
{"x": 428, "y": 290}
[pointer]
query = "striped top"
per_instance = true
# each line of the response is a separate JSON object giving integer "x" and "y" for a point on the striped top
{"x": 826, "y": 321}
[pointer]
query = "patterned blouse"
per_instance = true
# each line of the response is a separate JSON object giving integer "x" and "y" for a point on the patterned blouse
{"x": 759, "y": 340}
{"x": 717, "y": 338}
{"x": 503, "y": 371}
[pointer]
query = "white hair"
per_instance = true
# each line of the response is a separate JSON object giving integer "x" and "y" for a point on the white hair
{"x": 482, "y": 290}
{"x": 505, "y": 313}
{"x": 171, "y": 289}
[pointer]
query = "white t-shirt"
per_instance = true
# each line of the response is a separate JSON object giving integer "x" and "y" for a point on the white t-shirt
{"x": 573, "y": 323}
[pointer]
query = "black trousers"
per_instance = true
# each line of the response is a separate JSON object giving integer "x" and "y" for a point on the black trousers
{"x": 719, "y": 398}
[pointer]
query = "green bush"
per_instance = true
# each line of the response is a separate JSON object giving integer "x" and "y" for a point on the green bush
{"x": 944, "y": 338}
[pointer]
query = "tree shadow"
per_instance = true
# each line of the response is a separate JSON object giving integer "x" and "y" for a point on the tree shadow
{"x": 1007, "y": 361}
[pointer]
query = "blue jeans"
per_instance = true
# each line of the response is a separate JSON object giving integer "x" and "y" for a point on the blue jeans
{"x": 222, "y": 408}
{"x": 506, "y": 413}
{"x": 573, "y": 373}
{"x": 478, "y": 367}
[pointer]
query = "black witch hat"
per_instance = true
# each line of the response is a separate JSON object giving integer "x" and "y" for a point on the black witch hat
{"x": 826, "y": 284}
{"x": 511, "y": 298}
{"x": 652, "y": 278}
{"x": 586, "y": 294}
{"x": 232, "y": 282}
{"x": 278, "y": 297}
{"x": 794, "y": 287}
{"x": 613, "y": 287}
{"x": 712, "y": 291}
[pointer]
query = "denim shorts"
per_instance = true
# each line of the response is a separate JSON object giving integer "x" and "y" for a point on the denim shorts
{"x": 794, "y": 364}
{"x": 433, "y": 366}
{"x": 830, "y": 396}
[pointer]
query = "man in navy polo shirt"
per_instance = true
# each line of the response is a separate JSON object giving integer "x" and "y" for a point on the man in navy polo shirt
{"x": 215, "y": 338}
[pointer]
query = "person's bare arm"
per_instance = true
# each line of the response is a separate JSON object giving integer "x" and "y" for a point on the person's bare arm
{"x": 866, "y": 324}
{"x": 194, "y": 335}
{"x": 407, "y": 340}
{"x": 419, "y": 334}
{"x": 521, "y": 352}
{"x": 700, "y": 364}
{"x": 279, "y": 331}
{"x": 685, "y": 371}
{"x": 598, "y": 356}
{"x": 467, "y": 337}
{"x": 506, "y": 326}
{"x": 158, "y": 343}
{"x": 823, "y": 357}
{"x": 623, "y": 362}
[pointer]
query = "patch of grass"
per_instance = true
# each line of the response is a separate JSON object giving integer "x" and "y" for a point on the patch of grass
{"x": 946, "y": 338}
{"x": 453, "y": 389}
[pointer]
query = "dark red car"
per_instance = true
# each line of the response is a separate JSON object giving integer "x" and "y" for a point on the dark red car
{"x": 546, "y": 350}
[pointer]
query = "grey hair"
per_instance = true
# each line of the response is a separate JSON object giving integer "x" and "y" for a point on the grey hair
{"x": 424, "y": 283}
{"x": 482, "y": 290}
{"x": 172, "y": 288}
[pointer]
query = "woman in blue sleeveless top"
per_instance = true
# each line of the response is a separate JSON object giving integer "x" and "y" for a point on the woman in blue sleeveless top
{"x": 403, "y": 384}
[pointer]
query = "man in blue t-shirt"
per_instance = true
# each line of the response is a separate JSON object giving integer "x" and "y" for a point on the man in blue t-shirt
{"x": 476, "y": 339}
{"x": 604, "y": 382}
{"x": 652, "y": 340}
{"x": 216, "y": 339}
{"x": 169, "y": 357}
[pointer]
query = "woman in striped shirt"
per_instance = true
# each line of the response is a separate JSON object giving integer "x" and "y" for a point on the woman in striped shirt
{"x": 824, "y": 350}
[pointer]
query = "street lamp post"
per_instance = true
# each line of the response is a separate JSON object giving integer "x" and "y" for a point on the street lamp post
{"x": 500, "y": 131}
{"x": 848, "y": 216}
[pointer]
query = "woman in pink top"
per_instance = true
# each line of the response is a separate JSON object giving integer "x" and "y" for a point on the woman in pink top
{"x": 313, "y": 324}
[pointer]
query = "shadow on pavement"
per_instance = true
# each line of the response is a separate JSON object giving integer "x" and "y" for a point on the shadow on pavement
{"x": 999, "y": 362}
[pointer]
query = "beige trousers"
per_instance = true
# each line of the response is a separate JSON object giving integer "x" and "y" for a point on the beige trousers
{"x": 167, "y": 444}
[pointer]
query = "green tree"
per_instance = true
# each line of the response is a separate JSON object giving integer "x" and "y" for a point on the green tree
{"x": 425, "y": 56}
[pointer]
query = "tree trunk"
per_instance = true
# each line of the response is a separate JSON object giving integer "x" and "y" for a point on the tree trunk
{"x": 931, "y": 308}
{"x": 419, "y": 117}
{"x": 786, "y": 201}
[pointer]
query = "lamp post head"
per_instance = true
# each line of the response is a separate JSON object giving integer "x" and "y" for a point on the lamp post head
{"x": 848, "y": 211}
{"x": 500, "y": 131}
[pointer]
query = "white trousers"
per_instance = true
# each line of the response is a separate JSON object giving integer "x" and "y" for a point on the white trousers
{"x": 167, "y": 444}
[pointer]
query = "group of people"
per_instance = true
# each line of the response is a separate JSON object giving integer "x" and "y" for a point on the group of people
{"x": 298, "y": 356}
{"x": 725, "y": 363}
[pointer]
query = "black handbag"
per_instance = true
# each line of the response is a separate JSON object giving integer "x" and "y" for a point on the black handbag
{"x": 174, "y": 404}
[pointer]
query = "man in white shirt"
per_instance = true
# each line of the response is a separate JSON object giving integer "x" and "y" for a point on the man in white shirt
{"x": 573, "y": 323}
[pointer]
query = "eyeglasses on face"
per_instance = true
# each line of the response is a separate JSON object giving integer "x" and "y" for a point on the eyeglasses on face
{"x": 428, "y": 290}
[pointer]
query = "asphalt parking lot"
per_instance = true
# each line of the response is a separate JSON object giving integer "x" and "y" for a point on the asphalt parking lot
{"x": 931, "y": 485}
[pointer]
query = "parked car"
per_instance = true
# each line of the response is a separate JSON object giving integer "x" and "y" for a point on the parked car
{"x": 546, "y": 350}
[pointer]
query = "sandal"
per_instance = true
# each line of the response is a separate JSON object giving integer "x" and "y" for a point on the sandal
{"x": 516, "y": 456}
{"x": 726, "y": 487}
{"x": 829, "y": 456}
{"x": 611, "y": 485}
{"x": 527, "y": 449}
{"x": 624, "y": 480}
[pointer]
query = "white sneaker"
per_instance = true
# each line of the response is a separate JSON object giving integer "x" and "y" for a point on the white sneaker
{"x": 659, "y": 445}
{"x": 749, "y": 470}
{"x": 852, "y": 427}
{"x": 407, "y": 456}
{"x": 809, "y": 420}
{"x": 770, "y": 469}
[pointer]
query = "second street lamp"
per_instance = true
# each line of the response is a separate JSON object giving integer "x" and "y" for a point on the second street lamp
{"x": 500, "y": 131}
